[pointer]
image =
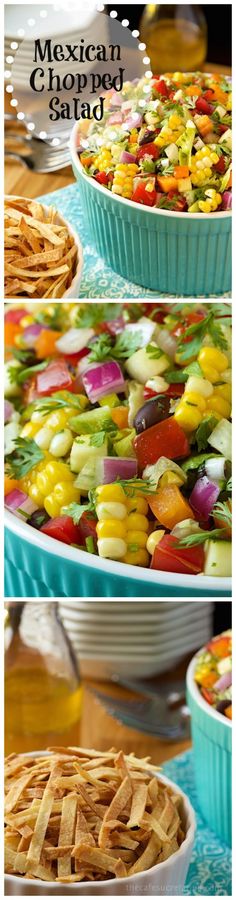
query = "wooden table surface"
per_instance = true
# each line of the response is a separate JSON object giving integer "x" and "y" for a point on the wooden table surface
{"x": 21, "y": 181}
{"x": 102, "y": 731}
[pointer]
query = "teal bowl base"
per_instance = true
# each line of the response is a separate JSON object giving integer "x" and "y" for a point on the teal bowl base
{"x": 176, "y": 254}
{"x": 33, "y": 572}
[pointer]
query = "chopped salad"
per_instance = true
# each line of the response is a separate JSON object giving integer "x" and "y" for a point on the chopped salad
{"x": 213, "y": 673}
{"x": 165, "y": 142}
{"x": 118, "y": 432}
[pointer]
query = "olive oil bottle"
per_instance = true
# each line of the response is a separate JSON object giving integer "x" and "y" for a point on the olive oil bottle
{"x": 43, "y": 693}
{"x": 175, "y": 36}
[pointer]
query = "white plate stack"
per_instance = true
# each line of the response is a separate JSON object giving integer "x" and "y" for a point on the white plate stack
{"x": 133, "y": 638}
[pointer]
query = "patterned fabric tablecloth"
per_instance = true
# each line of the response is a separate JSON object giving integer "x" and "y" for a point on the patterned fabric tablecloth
{"x": 210, "y": 868}
{"x": 98, "y": 280}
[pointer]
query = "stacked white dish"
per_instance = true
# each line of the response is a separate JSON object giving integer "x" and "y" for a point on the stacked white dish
{"x": 134, "y": 638}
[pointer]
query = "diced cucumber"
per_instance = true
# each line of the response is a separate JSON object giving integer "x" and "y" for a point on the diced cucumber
{"x": 218, "y": 559}
{"x": 123, "y": 443}
{"x": 11, "y": 432}
{"x": 11, "y": 388}
{"x": 135, "y": 400}
{"x": 82, "y": 451}
{"x": 141, "y": 366}
{"x": 86, "y": 480}
{"x": 221, "y": 438}
{"x": 194, "y": 462}
{"x": 184, "y": 185}
{"x": 92, "y": 421}
{"x": 172, "y": 153}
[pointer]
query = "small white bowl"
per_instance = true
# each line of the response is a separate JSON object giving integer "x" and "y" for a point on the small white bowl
{"x": 73, "y": 290}
{"x": 163, "y": 879}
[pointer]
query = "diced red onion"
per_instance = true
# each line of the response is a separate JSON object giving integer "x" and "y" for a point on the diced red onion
{"x": 8, "y": 410}
{"x": 103, "y": 378}
{"x": 226, "y": 200}
{"x": 223, "y": 682}
{"x": 133, "y": 121}
{"x": 19, "y": 503}
{"x": 203, "y": 497}
{"x": 112, "y": 467}
{"x": 116, "y": 99}
{"x": 74, "y": 340}
{"x": 115, "y": 119}
{"x": 127, "y": 157}
{"x": 31, "y": 333}
{"x": 116, "y": 325}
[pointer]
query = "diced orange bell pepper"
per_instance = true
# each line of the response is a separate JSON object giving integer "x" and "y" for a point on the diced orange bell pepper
{"x": 181, "y": 171}
{"x": 229, "y": 183}
{"x": 87, "y": 159}
{"x": 10, "y": 484}
{"x": 208, "y": 696}
{"x": 221, "y": 646}
{"x": 218, "y": 95}
{"x": 119, "y": 415}
{"x": 228, "y": 712}
{"x": 193, "y": 90}
{"x": 169, "y": 506}
{"x": 204, "y": 126}
{"x": 45, "y": 344}
{"x": 11, "y": 329}
{"x": 209, "y": 679}
{"x": 167, "y": 183}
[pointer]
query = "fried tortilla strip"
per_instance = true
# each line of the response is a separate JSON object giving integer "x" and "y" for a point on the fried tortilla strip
{"x": 16, "y": 270}
{"x": 41, "y": 227}
{"x": 97, "y": 858}
{"x": 31, "y": 238}
{"x": 36, "y": 259}
{"x": 36, "y": 845}
{"x": 138, "y": 804}
{"x": 148, "y": 857}
{"x": 17, "y": 789}
{"x": 123, "y": 794}
{"x": 67, "y": 831}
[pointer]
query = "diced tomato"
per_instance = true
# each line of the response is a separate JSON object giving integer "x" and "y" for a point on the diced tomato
{"x": 220, "y": 646}
{"x": 190, "y": 319}
{"x": 208, "y": 695}
{"x": 165, "y": 438}
{"x": 62, "y": 528}
{"x": 169, "y": 557}
{"x": 179, "y": 202}
{"x": 148, "y": 393}
{"x": 208, "y": 94}
{"x": 228, "y": 712}
{"x": 150, "y": 149}
{"x": 160, "y": 86}
{"x": 220, "y": 165}
{"x": 159, "y": 311}
{"x": 87, "y": 526}
{"x": 15, "y": 315}
{"x": 141, "y": 195}
{"x": 73, "y": 358}
{"x": 202, "y": 106}
{"x": 175, "y": 390}
{"x": 11, "y": 330}
{"x": 102, "y": 177}
{"x": 55, "y": 377}
{"x": 222, "y": 128}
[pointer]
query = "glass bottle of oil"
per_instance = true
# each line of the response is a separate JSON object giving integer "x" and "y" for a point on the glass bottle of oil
{"x": 175, "y": 36}
{"x": 43, "y": 692}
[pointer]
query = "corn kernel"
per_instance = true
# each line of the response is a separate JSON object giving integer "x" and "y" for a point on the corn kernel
{"x": 188, "y": 417}
{"x": 53, "y": 508}
{"x": 137, "y": 522}
{"x": 111, "y": 548}
{"x": 219, "y": 405}
{"x": 111, "y": 528}
{"x": 192, "y": 398}
{"x": 108, "y": 510}
{"x": 213, "y": 357}
{"x": 29, "y": 430}
{"x": 66, "y": 493}
{"x": 137, "y": 504}
{"x": 113, "y": 492}
{"x": 136, "y": 538}
{"x": 139, "y": 558}
{"x": 153, "y": 540}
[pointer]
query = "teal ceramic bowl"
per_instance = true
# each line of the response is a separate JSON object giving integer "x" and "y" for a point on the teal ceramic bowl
{"x": 39, "y": 566}
{"x": 171, "y": 253}
{"x": 212, "y": 749}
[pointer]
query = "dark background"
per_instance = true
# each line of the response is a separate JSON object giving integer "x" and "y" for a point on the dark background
{"x": 218, "y": 22}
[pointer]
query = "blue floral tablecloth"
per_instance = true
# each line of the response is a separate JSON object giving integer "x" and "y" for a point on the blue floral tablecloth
{"x": 210, "y": 868}
{"x": 98, "y": 280}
